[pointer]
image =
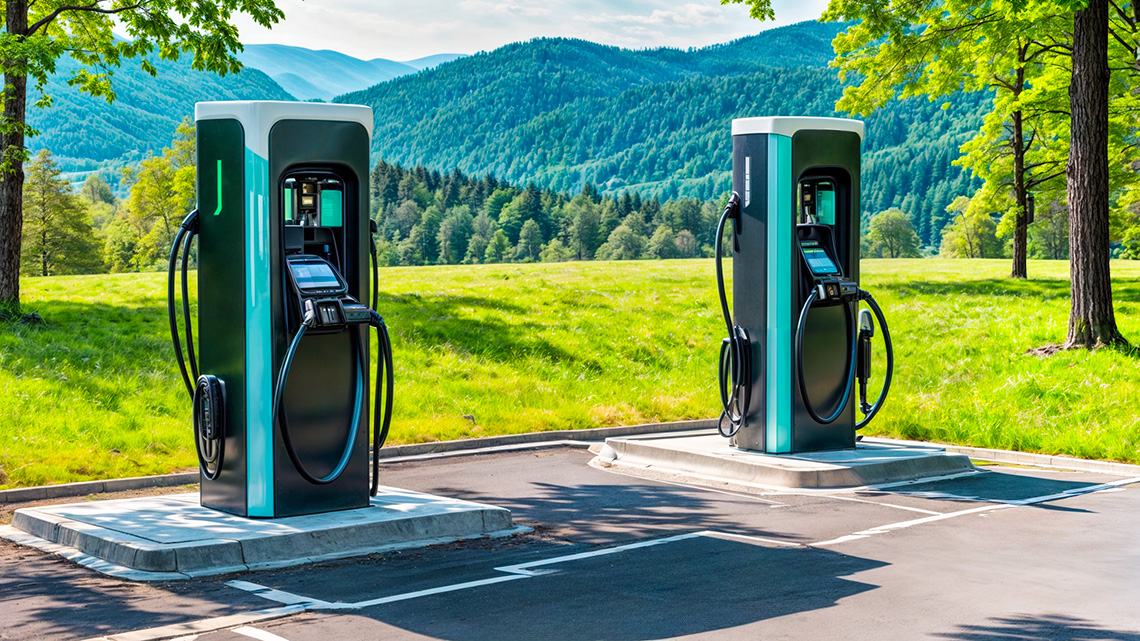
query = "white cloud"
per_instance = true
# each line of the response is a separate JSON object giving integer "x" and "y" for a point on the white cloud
{"x": 403, "y": 30}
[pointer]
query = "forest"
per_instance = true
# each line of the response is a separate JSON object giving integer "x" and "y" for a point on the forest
{"x": 563, "y": 113}
{"x": 428, "y": 217}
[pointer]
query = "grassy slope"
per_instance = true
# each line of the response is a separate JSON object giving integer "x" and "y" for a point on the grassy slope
{"x": 532, "y": 347}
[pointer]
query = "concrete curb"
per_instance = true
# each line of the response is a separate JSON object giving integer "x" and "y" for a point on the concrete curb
{"x": 1022, "y": 458}
{"x": 66, "y": 490}
{"x": 593, "y": 434}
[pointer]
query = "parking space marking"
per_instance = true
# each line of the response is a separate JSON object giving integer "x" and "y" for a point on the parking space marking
{"x": 429, "y": 592}
{"x": 1091, "y": 489}
{"x": 514, "y": 572}
{"x": 260, "y": 635}
{"x": 202, "y": 626}
{"x": 993, "y": 505}
{"x": 279, "y": 596}
{"x": 897, "y": 507}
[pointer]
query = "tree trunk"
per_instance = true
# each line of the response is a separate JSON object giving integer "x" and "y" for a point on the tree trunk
{"x": 1021, "y": 223}
{"x": 12, "y": 181}
{"x": 1091, "y": 320}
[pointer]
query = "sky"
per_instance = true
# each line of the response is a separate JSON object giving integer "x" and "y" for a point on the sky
{"x": 402, "y": 30}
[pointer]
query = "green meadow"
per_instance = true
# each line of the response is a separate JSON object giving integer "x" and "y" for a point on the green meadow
{"x": 96, "y": 393}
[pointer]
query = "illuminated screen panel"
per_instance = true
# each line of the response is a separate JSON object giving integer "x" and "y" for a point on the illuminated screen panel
{"x": 315, "y": 276}
{"x": 819, "y": 262}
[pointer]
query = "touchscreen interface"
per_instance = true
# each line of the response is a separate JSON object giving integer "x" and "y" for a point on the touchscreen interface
{"x": 818, "y": 260}
{"x": 314, "y": 275}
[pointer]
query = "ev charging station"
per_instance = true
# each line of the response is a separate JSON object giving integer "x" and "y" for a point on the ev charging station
{"x": 280, "y": 378}
{"x": 799, "y": 343}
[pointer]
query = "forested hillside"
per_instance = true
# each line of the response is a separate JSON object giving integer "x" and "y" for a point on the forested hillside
{"x": 86, "y": 133}
{"x": 565, "y": 113}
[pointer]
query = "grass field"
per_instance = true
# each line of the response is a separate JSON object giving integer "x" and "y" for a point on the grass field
{"x": 96, "y": 393}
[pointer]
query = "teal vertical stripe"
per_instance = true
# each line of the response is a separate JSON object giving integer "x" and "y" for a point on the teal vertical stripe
{"x": 778, "y": 434}
{"x": 219, "y": 176}
{"x": 259, "y": 339}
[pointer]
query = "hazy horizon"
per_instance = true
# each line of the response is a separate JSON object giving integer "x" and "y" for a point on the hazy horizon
{"x": 369, "y": 29}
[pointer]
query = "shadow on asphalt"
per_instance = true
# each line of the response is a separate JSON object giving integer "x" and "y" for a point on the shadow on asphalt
{"x": 45, "y": 597}
{"x": 1059, "y": 627}
{"x": 686, "y": 587}
{"x": 994, "y": 486}
{"x": 602, "y": 513}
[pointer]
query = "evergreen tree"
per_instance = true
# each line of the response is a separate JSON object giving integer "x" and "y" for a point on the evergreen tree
{"x": 58, "y": 234}
{"x": 530, "y": 242}
{"x": 454, "y": 233}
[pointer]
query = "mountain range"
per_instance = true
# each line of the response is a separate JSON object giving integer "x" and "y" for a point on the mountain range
{"x": 563, "y": 113}
{"x": 556, "y": 112}
{"x": 322, "y": 75}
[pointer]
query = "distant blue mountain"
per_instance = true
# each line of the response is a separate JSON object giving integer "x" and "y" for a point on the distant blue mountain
{"x": 324, "y": 74}
{"x": 427, "y": 62}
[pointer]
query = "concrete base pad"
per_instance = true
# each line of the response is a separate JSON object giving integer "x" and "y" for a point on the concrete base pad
{"x": 173, "y": 537}
{"x": 708, "y": 455}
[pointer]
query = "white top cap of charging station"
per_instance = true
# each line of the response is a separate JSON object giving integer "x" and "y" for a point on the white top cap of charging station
{"x": 789, "y": 125}
{"x": 257, "y": 117}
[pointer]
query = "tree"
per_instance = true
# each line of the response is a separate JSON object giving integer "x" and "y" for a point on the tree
{"x": 96, "y": 190}
{"x": 1049, "y": 235}
{"x": 454, "y": 233}
{"x": 530, "y": 242}
{"x": 893, "y": 236}
{"x": 663, "y": 243}
{"x": 686, "y": 243}
{"x": 484, "y": 229}
{"x": 162, "y": 193}
{"x": 935, "y": 49}
{"x": 38, "y": 32}
{"x": 100, "y": 200}
{"x": 58, "y": 235}
{"x": 623, "y": 244}
{"x": 498, "y": 249}
{"x": 556, "y": 252}
{"x": 972, "y": 234}
{"x": 1091, "y": 320}
{"x": 585, "y": 227}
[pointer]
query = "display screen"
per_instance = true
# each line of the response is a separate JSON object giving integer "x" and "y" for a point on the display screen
{"x": 818, "y": 261}
{"x": 315, "y": 275}
{"x": 825, "y": 204}
{"x": 332, "y": 208}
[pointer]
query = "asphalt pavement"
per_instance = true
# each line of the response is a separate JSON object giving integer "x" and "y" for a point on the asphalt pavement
{"x": 1007, "y": 553}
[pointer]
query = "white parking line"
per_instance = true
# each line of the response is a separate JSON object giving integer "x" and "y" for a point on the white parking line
{"x": 202, "y": 626}
{"x": 514, "y": 572}
{"x": 260, "y": 635}
{"x": 994, "y": 505}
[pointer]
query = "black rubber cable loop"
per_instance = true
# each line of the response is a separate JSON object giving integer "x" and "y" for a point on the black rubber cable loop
{"x": 890, "y": 360}
{"x": 799, "y": 365}
{"x": 191, "y": 357}
{"x": 735, "y": 368}
{"x": 280, "y": 416}
{"x": 189, "y": 223}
